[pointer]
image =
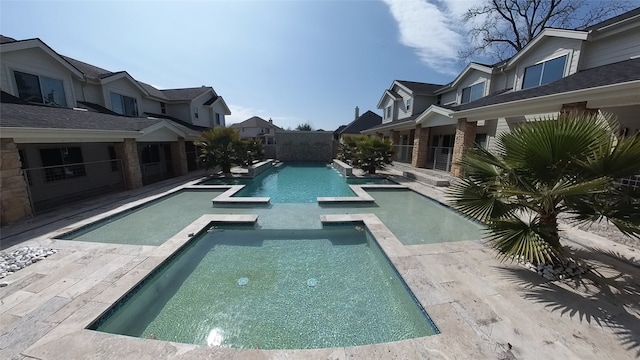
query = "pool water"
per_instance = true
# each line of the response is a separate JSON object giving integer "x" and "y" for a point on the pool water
{"x": 295, "y": 183}
{"x": 413, "y": 218}
{"x": 274, "y": 289}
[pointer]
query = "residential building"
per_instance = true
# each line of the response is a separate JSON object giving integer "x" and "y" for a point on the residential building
{"x": 70, "y": 130}
{"x": 258, "y": 129}
{"x": 360, "y": 122}
{"x": 595, "y": 70}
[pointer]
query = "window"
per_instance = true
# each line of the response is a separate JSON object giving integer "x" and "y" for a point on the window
{"x": 40, "y": 89}
{"x": 163, "y": 108}
{"x": 62, "y": 163}
{"x": 481, "y": 140}
{"x": 124, "y": 105}
{"x": 439, "y": 100}
{"x": 150, "y": 154}
{"x": 473, "y": 92}
{"x": 544, "y": 73}
{"x": 388, "y": 115}
{"x": 113, "y": 158}
{"x": 447, "y": 143}
{"x": 195, "y": 112}
{"x": 218, "y": 119}
{"x": 408, "y": 104}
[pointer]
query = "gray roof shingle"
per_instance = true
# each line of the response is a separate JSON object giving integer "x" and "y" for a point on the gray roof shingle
{"x": 418, "y": 87}
{"x": 365, "y": 121}
{"x": 185, "y": 93}
{"x": 33, "y": 116}
{"x": 395, "y": 122}
{"x": 616, "y": 73}
{"x": 87, "y": 69}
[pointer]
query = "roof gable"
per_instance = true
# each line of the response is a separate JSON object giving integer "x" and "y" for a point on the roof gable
{"x": 37, "y": 43}
{"x": 255, "y": 122}
{"x": 108, "y": 78}
{"x": 467, "y": 70}
{"x": 546, "y": 33}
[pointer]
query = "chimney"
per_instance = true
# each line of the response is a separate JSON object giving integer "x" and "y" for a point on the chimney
{"x": 357, "y": 113}
{"x": 270, "y": 121}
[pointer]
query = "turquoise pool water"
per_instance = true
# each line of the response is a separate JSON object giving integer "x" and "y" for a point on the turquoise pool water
{"x": 274, "y": 289}
{"x": 294, "y": 183}
{"x": 413, "y": 218}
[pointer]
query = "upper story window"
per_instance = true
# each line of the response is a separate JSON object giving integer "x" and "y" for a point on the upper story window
{"x": 439, "y": 100}
{"x": 124, "y": 105}
{"x": 219, "y": 119}
{"x": 195, "y": 112}
{"x": 473, "y": 92}
{"x": 544, "y": 73}
{"x": 40, "y": 89}
{"x": 163, "y": 108}
{"x": 388, "y": 112}
{"x": 408, "y": 104}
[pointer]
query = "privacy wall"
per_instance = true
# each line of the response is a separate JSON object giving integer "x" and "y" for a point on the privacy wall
{"x": 304, "y": 146}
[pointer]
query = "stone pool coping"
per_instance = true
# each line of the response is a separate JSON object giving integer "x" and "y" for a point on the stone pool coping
{"x": 72, "y": 332}
{"x": 483, "y": 308}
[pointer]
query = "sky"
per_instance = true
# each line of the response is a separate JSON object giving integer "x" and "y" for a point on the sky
{"x": 295, "y": 62}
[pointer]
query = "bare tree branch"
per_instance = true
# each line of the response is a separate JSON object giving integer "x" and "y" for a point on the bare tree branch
{"x": 500, "y": 28}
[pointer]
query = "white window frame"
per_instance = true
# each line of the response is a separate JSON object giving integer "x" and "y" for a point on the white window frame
{"x": 564, "y": 71}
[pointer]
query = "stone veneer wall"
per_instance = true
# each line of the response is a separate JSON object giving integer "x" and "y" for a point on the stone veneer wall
{"x": 179, "y": 157}
{"x": 313, "y": 146}
{"x": 465, "y": 136}
{"x": 128, "y": 152}
{"x": 14, "y": 195}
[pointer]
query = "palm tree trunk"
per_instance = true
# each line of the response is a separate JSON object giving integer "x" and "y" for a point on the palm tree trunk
{"x": 549, "y": 220}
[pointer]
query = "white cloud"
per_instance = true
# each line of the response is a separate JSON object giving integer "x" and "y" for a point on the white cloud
{"x": 433, "y": 28}
{"x": 241, "y": 113}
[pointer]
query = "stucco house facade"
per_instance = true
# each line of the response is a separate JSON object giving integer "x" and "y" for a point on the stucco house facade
{"x": 70, "y": 130}
{"x": 592, "y": 70}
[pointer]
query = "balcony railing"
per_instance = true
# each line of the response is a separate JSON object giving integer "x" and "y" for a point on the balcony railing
{"x": 53, "y": 186}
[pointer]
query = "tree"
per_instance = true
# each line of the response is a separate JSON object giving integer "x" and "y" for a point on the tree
{"x": 541, "y": 170}
{"x": 304, "y": 127}
{"x": 366, "y": 153}
{"x": 223, "y": 147}
{"x": 500, "y": 28}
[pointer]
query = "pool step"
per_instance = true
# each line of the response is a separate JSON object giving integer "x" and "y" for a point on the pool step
{"x": 425, "y": 178}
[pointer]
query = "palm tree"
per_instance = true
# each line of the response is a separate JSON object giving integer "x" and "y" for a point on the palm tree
{"x": 545, "y": 168}
{"x": 366, "y": 153}
{"x": 222, "y": 147}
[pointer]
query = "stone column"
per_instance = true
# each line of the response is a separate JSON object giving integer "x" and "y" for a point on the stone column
{"x": 14, "y": 193}
{"x": 127, "y": 151}
{"x": 420, "y": 141}
{"x": 395, "y": 137}
{"x": 465, "y": 137}
{"x": 179, "y": 157}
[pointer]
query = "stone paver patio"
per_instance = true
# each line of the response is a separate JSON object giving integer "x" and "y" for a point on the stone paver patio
{"x": 484, "y": 309}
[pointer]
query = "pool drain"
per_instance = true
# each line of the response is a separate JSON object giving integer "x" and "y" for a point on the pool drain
{"x": 243, "y": 281}
{"x": 312, "y": 282}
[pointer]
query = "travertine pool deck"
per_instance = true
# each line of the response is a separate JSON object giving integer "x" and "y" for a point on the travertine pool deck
{"x": 484, "y": 309}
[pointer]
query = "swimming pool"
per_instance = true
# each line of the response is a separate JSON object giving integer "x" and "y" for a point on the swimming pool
{"x": 413, "y": 218}
{"x": 296, "y": 183}
{"x": 273, "y": 289}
